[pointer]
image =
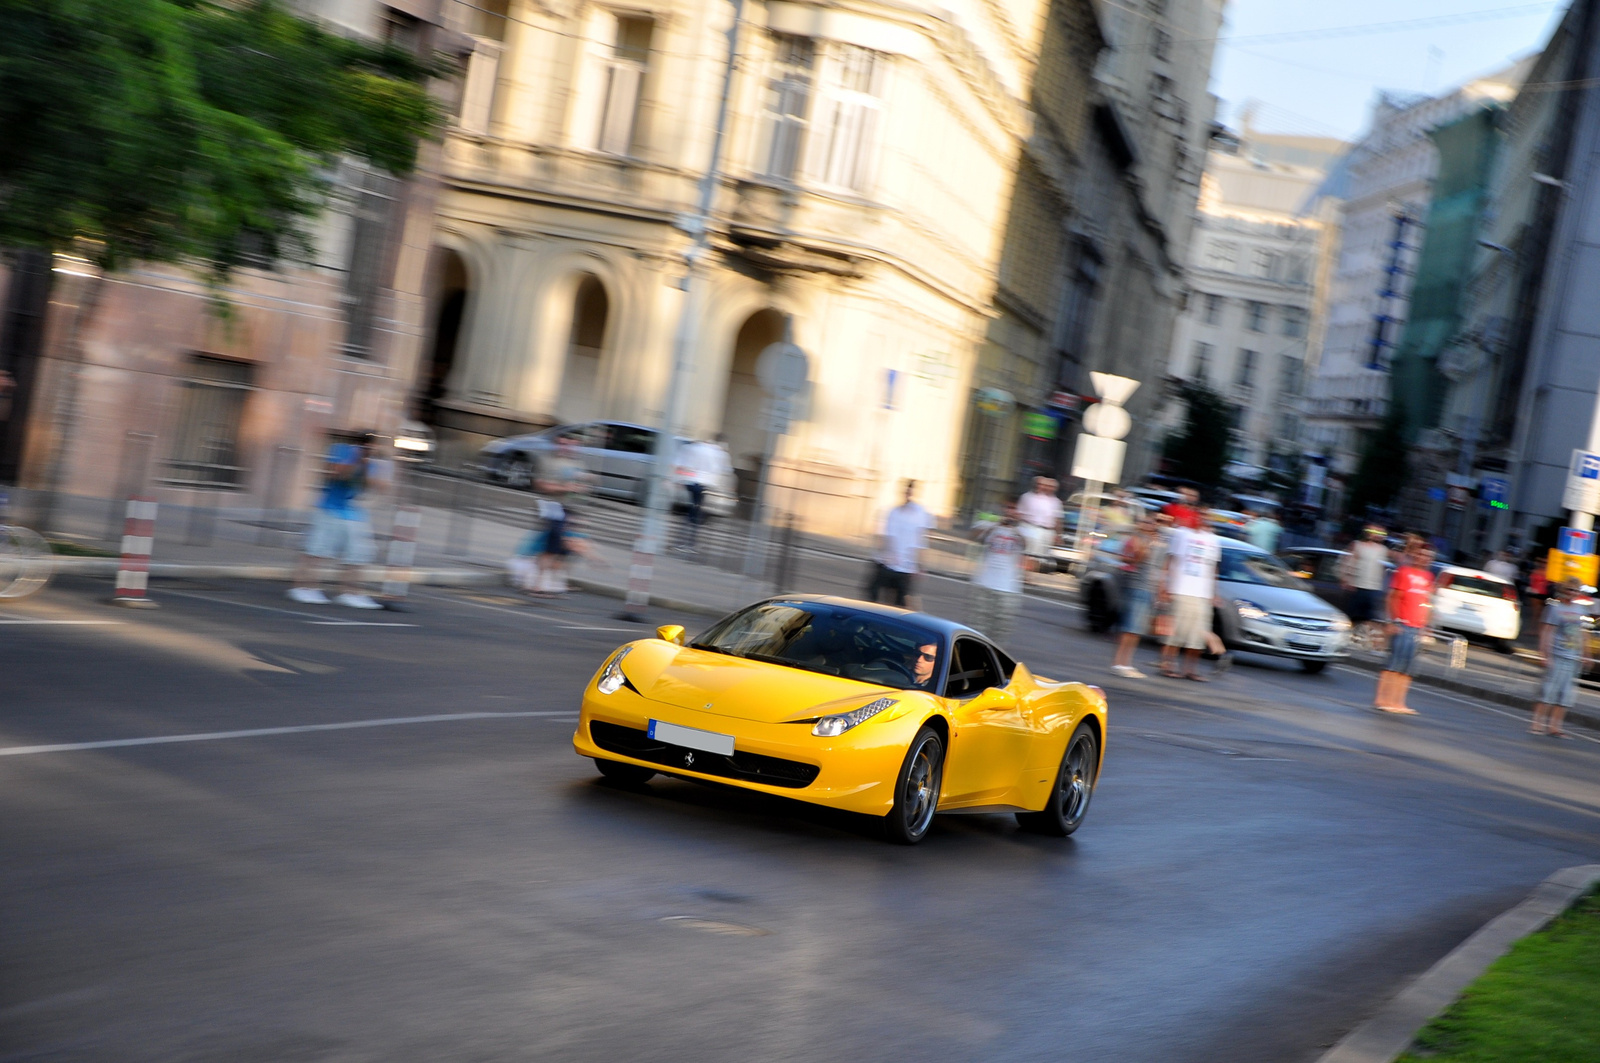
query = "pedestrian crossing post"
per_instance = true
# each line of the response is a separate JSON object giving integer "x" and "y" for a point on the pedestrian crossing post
{"x": 138, "y": 539}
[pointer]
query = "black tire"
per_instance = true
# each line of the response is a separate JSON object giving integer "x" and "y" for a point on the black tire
{"x": 1099, "y": 610}
{"x": 624, "y": 774}
{"x": 1312, "y": 667}
{"x": 1074, "y": 786}
{"x": 520, "y": 473}
{"x": 1504, "y": 646}
{"x": 916, "y": 789}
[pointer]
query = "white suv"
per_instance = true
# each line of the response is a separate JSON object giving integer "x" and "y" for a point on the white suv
{"x": 1476, "y": 603}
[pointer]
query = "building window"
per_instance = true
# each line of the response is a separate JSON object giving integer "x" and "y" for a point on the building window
{"x": 1202, "y": 361}
{"x": 1265, "y": 261}
{"x": 205, "y": 451}
{"x": 1161, "y": 44}
{"x": 849, "y": 110}
{"x": 372, "y": 221}
{"x": 1244, "y": 373}
{"x": 1255, "y": 316}
{"x": 1214, "y": 309}
{"x": 1221, "y": 254}
{"x": 788, "y": 104}
{"x": 1289, "y": 380}
{"x": 1294, "y": 322}
{"x": 611, "y": 82}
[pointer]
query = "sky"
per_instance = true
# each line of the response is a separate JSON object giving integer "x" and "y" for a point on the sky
{"x": 1324, "y": 86}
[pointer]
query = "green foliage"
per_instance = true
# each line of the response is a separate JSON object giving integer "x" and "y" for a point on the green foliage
{"x": 1200, "y": 449}
{"x": 188, "y": 131}
{"x": 1381, "y": 473}
{"x": 1540, "y": 1003}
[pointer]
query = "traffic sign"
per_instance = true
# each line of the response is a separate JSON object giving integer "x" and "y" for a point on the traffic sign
{"x": 1583, "y": 483}
{"x": 1494, "y": 492}
{"x": 1575, "y": 541}
{"x": 783, "y": 369}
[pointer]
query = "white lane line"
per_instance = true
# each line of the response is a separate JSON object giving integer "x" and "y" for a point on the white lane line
{"x": 41, "y": 620}
{"x": 310, "y": 618}
{"x": 578, "y": 627}
{"x": 259, "y": 732}
{"x": 560, "y": 621}
{"x": 356, "y": 623}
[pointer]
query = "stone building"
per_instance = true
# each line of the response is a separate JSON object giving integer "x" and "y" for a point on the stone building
{"x": 1251, "y": 288}
{"x": 909, "y": 190}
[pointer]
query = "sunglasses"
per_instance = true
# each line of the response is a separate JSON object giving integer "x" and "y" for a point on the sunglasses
{"x": 928, "y": 656}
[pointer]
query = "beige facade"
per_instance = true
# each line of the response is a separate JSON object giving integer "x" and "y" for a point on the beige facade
{"x": 869, "y": 201}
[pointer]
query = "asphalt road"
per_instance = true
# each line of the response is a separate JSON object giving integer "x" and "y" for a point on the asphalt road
{"x": 1265, "y": 862}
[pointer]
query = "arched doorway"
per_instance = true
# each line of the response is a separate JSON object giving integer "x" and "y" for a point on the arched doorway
{"x": 580, "y": 377}
{"x": 742, "y": 419}
{"x": 450, "y": 302}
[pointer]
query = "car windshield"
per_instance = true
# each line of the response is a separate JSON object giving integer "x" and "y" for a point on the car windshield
{"x": 831, "y": 639}
{"x": 1475, "y": 585}
{"x": 1264, "y": 570}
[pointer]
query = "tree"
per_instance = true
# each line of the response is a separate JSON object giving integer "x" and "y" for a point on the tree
{"x": 172, "y": 131}
{"x": 1381, "y": 472}
{"x": 1200, "y": 450}
{"x": 184, "y": 131}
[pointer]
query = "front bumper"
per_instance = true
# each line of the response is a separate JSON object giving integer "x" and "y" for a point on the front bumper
{"x": 1279, "y": 640}
{"x": 854, "y": 771}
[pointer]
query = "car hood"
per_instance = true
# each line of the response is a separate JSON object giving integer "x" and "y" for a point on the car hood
{"x": 1290, "y": 601}
{"x": 745, "y": 690}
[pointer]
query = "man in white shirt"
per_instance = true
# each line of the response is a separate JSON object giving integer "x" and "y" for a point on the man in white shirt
{"x": 701, "y": 465}
{"x": 1502, "y": 566}
{"x": 1040, "y": 514}
{"x": 901, "y": 542}
{"x": 1192, "y": 556}
{"x": 997, "y": 581}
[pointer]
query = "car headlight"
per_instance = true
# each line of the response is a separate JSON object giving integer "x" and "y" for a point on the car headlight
{"x": 412, "y": 443}
{"x": 833, "y": 726}
{"x": 1250, "y": 610}
{"x": 1340, "y": 623}
{"x": 611, "y": 678}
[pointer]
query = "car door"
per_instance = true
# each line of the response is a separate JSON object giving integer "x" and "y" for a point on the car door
{"x": 989, "y": 738}
{"x": 628, "y": 464}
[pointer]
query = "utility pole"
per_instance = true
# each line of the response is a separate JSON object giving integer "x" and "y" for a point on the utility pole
{"x": 698, "y": 225}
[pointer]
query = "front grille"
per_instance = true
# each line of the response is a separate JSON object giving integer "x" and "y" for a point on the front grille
{"x": 1303, "y": 623}
{"x": 746, "y": 767}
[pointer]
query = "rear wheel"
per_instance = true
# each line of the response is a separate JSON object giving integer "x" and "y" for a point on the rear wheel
{"x": 916, "y": 789}
{"x": 1099, "y": 611}
{"x": 1069, "y": 798}
{"x": 519, "y": 473}
{"x": 624, "y": 774}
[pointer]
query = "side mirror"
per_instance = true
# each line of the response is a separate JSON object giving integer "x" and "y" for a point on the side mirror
{"x": 672, "y": 633}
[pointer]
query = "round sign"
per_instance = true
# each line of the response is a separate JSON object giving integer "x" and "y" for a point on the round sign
{"x": 995, "y": 401}
{"x": 783, "y": 369}
{"x": 1107, "y": 421}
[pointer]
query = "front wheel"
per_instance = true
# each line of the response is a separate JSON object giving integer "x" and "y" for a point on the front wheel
{"x": 519, "y": 474}
{"x": 1069, "y": 798}
{"x": 916, "y": 790}
{"x": 624, "y": 774}
{"x": 1313, "y": 667}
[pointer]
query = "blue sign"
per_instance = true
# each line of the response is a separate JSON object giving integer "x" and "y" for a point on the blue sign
{"x": 1589, "y": 467}
{"x": 1436, "y": 493}
{"x": 1575, "y": 542}
{"x": 1494, "y": 492}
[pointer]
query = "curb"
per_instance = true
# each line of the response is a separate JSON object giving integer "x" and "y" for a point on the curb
{"x": 1391, "y": 1031}
{"x": 1577, "y": 714}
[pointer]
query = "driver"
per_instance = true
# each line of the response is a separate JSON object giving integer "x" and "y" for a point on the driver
{"x": 922, "y": 663}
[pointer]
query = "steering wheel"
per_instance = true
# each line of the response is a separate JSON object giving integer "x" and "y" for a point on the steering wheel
{"x": 897, "y": 666}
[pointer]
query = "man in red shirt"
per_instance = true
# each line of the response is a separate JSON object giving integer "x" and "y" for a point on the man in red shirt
{"x": 1410, "y": 606}
{"x": 1184, "y": 513}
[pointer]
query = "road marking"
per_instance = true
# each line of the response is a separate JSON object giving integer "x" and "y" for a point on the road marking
{"x": 310, "y": 618}
{"x": 259, "y": 732}
{"x": 41, "y": 620}
{"x": 576, "y": 627}
{"x": 356, "y": 623}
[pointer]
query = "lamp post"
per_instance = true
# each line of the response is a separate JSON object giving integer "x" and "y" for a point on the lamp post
{"x": 697, "y": 225}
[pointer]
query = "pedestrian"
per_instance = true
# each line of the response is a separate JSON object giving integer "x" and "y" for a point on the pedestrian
{"x": 340, "y": 530}
{"x": 901, "y": 542}
{"x": 1564, "y": 642}
{"x": 1364, "y": 574}
{"x": 1191, "y": 586}
{"x": 1184, "y": 513}
{"x": 1538, "y": 589}
{"x": 1039, "y": 513}
{"x": 1263, "y": 530}
{"x": 701, "y": 465}
{"x": 1410, "y": 606}
{"x": 562, "y": 476}
{"x": 1502, "y": 566}
{"x": 997, "y": 581}
{"x": 1144, "y": 563}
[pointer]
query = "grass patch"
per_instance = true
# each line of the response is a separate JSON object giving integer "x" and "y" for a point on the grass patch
{"x": 1539, "y": 1003}
{"x": 66, "y": 549}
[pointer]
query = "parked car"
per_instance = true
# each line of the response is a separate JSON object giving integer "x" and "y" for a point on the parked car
{"x": 1472, "y": 602}
{"x": 618, "y": 454}
{"x": 1262, "y": 606}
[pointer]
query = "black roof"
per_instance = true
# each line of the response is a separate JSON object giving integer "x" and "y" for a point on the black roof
{"x": 948, "y": 628}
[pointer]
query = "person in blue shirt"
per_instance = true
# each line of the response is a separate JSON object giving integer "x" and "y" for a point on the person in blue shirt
{"x": 340, "y": 530}
{"x": 1263, "y": 531}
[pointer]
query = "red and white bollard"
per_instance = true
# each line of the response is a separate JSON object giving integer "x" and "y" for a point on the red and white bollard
{"x": 402, "y": 552}
{"x": 138, "y": 538}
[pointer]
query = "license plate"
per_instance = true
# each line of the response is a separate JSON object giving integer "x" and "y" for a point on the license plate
{"x": 691, "y": 738}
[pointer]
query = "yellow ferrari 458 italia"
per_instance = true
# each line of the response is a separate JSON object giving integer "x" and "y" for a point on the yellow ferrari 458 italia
{"x": 856, "y": 706}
